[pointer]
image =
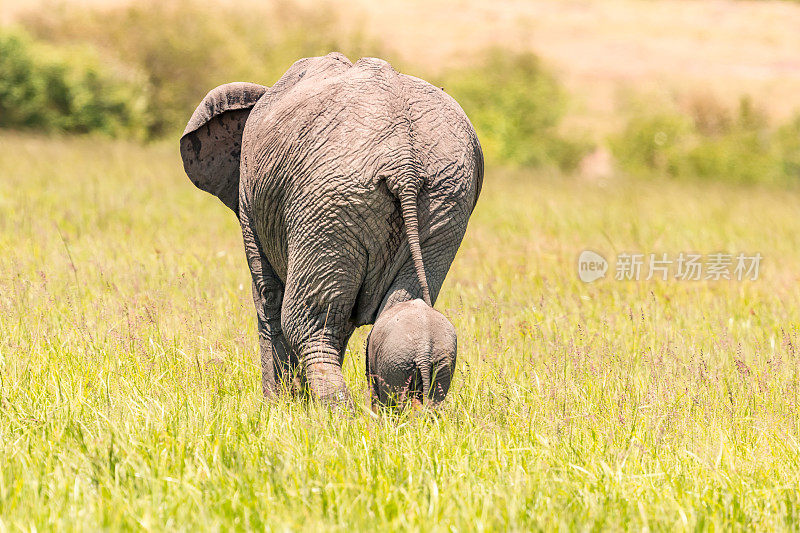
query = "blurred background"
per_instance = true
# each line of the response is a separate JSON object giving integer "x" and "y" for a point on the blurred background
{"x": 603, "y": 90}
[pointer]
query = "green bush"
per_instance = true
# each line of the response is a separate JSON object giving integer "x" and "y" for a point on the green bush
{"x": 185, "y": 48}
{"x": 652, "y": 144}
{"x": 66, "y": 90}
{"x": 180, "y": 50}
{"x": 786, "y": 143}
{"x": 516, "y": 107}
{"x": 710, "y": 142}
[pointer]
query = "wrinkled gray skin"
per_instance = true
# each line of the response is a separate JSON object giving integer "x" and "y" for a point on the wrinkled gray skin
{"x": 353, "y": 185}
{"x": 411, "y": 355}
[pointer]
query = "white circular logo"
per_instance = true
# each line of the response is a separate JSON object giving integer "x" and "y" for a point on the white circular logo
{"x": 591, "y": 266}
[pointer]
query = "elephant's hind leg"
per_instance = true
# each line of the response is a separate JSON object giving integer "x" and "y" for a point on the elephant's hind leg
{"x": 321, "y": 290}
{"x": 279, "y": 365}
{"x": 320, "y": 339}
{"x": 278, "y": 362}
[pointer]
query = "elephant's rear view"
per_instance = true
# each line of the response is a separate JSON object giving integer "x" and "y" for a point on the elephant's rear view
{"x": 353, "y": 185}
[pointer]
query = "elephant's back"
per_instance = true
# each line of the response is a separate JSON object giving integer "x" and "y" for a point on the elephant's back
{"x": 328, "y": 117}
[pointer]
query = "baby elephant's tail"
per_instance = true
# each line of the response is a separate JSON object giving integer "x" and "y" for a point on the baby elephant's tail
{"x": 408, "y": 206}
{"x": 425, "y": 373}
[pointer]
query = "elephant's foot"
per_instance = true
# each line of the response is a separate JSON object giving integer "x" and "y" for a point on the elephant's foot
{"x": 325, "y": 383}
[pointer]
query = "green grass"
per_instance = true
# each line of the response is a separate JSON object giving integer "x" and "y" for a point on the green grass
{"x": 129, "y": 390}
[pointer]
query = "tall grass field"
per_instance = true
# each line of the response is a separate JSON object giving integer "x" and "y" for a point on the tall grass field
{"x": 130, "y": 390}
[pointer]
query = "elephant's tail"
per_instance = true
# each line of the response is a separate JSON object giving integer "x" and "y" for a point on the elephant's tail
{"x": 408, "y": 206}
{"x": 425, "y": 371}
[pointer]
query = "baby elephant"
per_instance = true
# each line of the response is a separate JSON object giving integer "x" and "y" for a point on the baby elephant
{"x": 411, "y": 355}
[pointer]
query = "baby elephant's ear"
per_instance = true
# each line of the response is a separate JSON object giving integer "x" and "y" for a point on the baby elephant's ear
{"x": 211, "y": 145}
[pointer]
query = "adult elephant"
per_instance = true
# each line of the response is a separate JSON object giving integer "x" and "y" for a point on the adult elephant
{"x": 353, "y": 185}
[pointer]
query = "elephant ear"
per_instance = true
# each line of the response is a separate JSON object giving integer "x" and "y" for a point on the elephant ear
{"x": 211, "y": 144}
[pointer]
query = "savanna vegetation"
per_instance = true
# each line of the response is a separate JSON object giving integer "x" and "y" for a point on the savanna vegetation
{"x": 129, "y": 383}
{"x": 138, "y": 70}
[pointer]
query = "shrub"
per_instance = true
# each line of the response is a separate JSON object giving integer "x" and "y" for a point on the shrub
{"x": 67, "y": 90}
{"x": 516, "y": 106}
{"x": 710, "y": 142}
{"x": 185, "y": 48}
{"x": 652, "y": 144}
{"x": 180, "y": 50}
{"x": 786, "y": 144}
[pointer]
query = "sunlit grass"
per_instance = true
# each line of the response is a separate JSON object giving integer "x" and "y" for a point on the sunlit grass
{"x": 130, "y": 395}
